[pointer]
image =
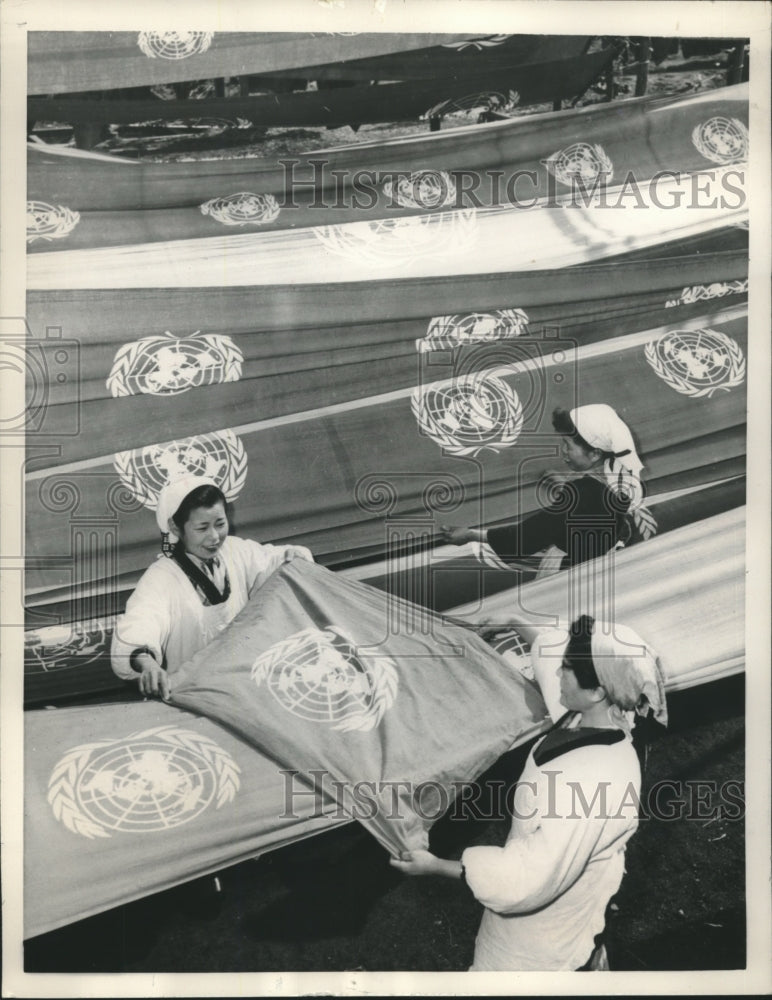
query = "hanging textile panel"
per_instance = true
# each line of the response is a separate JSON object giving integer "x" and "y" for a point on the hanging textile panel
{"x": 448, "y": 59}
{"x": 78, "y": 202}
{"x": 328, "y": 675}
{"x": 62, "y": 61}
{"x": 500, "y": 88}
{"x": 137, "y": 366}
{"x": 439, "y": 447}
{"x": 72, "y": 659}
{"x": 122, "y": 801}
{"x": 469, "y": 241}
{"x": 683, "y": 592}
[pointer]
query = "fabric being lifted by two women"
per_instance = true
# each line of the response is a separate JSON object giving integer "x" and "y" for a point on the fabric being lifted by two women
{"x": 182, "y": 603}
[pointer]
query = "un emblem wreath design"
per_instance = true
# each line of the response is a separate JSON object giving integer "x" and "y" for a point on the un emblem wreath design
{"x": 425, "y": 189}
{"x": 142, "y": 783}
{"x": 400, "y": 241}
{"x": 697, "y": 362}
{"x": 242, "y": 209}
{"x": 219, "y": 456}
{"x": 581, "y": 162}
{"x": 721, "y": 140}
{"x": 49, "y": 222}
{"x": 169, "y": 365}
{"x": 318, "y": 675}
{"x": 174, "y": 44}
{"x": 447, "y": 332}
{"x": 469, "y": 413}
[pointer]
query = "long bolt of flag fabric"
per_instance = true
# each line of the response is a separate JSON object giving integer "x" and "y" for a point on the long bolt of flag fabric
{"x": 149, "y": 358}
{"x": 684, "y": 592}
{"x": 79, "y": 202}
{"x": 64, "y": 61}
{"x": 472, "y": 436}
{"x": 106, "y": 807}
{"x": 610, "y": 221}
{"x": 446, "y": 60}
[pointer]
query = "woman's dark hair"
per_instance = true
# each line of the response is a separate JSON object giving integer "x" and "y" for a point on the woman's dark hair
{"x": 564, "y": 425}
{"x": 201, "y": 496}
{"x": 578, "y": 654}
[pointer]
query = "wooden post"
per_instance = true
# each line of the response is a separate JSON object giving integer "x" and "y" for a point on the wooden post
{"x": 610, "y": 81}
{"x": 557, "y": 105}
{"x": 642, "y": 74}
{"x": 734, "y": 65}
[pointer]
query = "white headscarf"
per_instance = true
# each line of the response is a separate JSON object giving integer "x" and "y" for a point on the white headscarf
{"x": 170, "y": 498}
{"x": 602, "y": 428}
{"x": 629, "y": 671}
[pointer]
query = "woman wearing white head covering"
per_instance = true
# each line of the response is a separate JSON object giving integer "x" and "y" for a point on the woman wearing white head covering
{"x": 589, "y": 507}
{"x": 546, "y": 890}
{"x": 182, "y": 602}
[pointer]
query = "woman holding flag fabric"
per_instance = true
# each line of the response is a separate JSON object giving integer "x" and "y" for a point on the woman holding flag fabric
{"x": 546, "y": 890}
{"x": 183, "y": 602}
{"x": 590, "y": 508}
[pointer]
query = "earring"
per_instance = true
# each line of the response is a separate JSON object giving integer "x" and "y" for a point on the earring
{"x": 166, "y": 545}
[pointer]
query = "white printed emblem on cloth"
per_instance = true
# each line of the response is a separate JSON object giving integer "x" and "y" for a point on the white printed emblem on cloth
{"x": 142, "y": 783}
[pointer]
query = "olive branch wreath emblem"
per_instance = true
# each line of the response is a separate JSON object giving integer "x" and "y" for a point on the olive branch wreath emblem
{"x": 682, "y": 383}
{"x": 381, "y": 672}
{"x": 64, "y": 777}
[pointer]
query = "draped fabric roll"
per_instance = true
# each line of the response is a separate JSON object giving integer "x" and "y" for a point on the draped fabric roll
{"x": 62, "y": 61}
{"x": 77, "y": 202}
{"x": 682, "y": 592}
{"x": 448, "y": 59}
{"x": 134, "y": 799}
{"x": 478, "y": 436}
{"x": 610, "y": 221}
{"x": 149, "y": 358}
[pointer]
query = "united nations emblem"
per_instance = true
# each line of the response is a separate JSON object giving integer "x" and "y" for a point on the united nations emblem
{"x": 391, "y": 242}
{"x": 487, "y": 100}
{"x": 169, "y": 365}
{"x": 477, "y": 43}
{"x": 174, "y": 44}
{"x": 219, "y": 455}
{"x": 469, "y": 413}
{"x": 57, "y": 647}
{"x": 447, "y": 332}
{"x": 581, "y": 163}
{"x": 516, "y": 651}
{"x": 49, "y": 222}
{"x": 702, "y": 293}
{"x": 243, "y": 209}
{"x": 697, "y": 362}
{"x": 148, "y": 781}
{"x": 721, "y": 140}
{"x": 424, "y": 189}
{"x": 319, "y": 676}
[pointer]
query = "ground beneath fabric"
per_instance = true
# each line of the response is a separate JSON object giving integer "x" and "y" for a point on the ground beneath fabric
{"x": 332, "y": 903}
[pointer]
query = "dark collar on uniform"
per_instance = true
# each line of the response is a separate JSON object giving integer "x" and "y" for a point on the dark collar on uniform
{"x": 202, "y": 583}
{"x": 560, "y": 739}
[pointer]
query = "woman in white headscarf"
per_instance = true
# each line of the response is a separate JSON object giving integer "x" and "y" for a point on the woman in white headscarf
{"x": 182, "y": 602}
{"x": 575, "y": 807}
{"x": 590, "y": 507}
